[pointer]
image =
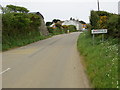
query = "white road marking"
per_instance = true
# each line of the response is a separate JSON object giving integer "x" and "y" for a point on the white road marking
{"x": 5, "y": 71}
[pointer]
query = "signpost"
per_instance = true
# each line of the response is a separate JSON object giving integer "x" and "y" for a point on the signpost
{"x": 98, "y": 31}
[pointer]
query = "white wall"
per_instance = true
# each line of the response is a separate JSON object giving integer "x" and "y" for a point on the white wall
{"x": 73, "y": 22}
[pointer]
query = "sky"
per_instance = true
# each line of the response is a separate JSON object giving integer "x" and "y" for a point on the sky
{"x": 64, "y": 9}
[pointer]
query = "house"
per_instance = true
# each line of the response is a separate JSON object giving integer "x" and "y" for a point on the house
{"x": 54, "y": 24}
{"x": 73, "y": 22}
{"x": 84, "y": 26}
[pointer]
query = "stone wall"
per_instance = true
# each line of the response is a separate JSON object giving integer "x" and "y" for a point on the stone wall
{"x": 43, "y": 28}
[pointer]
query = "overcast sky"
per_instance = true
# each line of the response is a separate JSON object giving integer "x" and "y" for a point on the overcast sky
{"x": 64, "y": 9}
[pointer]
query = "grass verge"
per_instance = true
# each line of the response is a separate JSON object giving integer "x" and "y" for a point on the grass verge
{"x": 101, "y": 60}
{"x": 14, "y": 43}
{"x": 22, "y": 41}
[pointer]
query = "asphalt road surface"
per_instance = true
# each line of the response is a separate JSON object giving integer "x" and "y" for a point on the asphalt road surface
{"x": 50, "y": 63}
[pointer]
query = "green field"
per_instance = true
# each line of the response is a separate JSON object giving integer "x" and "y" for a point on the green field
{"x": 101, "y": 60}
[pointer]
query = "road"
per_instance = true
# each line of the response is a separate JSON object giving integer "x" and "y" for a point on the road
{"x": 49, "y": 63}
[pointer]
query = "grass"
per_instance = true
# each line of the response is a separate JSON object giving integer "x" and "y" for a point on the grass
{"x": 17, "y": 42}
{"x": 22, "y": 40}
{"x": 101, "y": 60}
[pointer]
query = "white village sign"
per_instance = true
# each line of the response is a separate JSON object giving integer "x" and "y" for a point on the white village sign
{"x": 98, "y": 31}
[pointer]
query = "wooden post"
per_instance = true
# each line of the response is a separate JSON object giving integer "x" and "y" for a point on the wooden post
{"x": 98, "y": 5}
{"x": 93, "y": 39}
{"x": 102, "y": 37}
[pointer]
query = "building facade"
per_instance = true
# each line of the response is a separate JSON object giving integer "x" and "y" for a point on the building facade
{"x": 73, "y": 22}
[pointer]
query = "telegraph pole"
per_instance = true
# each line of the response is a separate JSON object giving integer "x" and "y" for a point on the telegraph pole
{"x": 98, "y": 5}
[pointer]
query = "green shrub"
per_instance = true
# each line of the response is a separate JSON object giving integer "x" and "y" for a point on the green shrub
{"x": 19, "y": 28}
{"x": 101, "y": 60}
{"x": 50, "y": 29}
{"x": 49, "y": 23}
{"x": 94, "y": 19}
{"x": 105, "y": 20}
{"x": 72, "y": 28}
{"x": 113, "y": 26}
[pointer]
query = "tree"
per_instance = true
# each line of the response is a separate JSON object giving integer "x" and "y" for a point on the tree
{"x": 113, "y": 25}
{"x": 72, "y": 28}
{"x": 65, "y": 26}
{"x": 5, "y": 10}
{"x": 55, "y": 20}
{"x": 58, "y": 25}
{"x": 71, "y": 18}
{"x": 94, "y": 20}
{"x": 103, "y": 13}
{"x": 16, "y": 9}
{"x": 82, "y": 22}
{"x": 49, "y": 23}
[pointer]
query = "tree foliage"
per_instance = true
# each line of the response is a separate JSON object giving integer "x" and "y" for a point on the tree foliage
{"x": 103, "y": 13}
{"x": 19, "y": 9}
{"x": 82, "y": 22}
{"x": 72, "y": 28}
{"x": 59, "y": 28}
{"x": 55, "y": 20}
{"x": 19, "y": 25}
{"x": 49, "y": 23}
{"x": 58, "y": 25}
{"x": 94, "y": 19}
{"x": 113, "y": 25}
{"x": 105, "y": 20}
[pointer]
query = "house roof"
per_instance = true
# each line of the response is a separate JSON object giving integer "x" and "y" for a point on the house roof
{"x": 38, "y": 13}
